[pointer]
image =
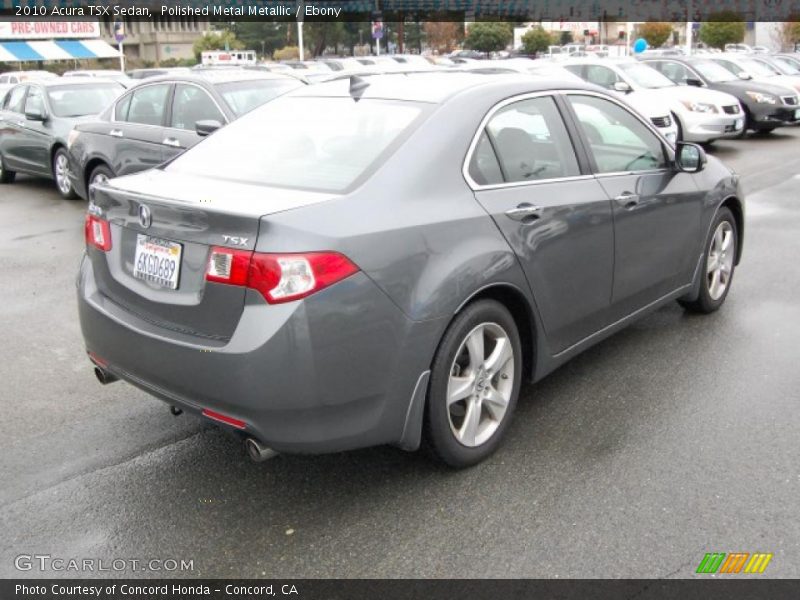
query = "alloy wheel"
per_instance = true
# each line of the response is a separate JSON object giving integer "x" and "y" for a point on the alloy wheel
{"x": 719, "y": 265}
{"x": 100, "y": 178}
{"x": 62, "y": 174}
{"x": 480, "y": 385}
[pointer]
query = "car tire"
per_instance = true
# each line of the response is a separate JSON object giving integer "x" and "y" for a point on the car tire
{"x": 719, "y": 263}
{"x": 475, "y": 381}
{"x": 100, "y": 174}
{"x": 6, "y": 176}
{"x": 61, "y": 174}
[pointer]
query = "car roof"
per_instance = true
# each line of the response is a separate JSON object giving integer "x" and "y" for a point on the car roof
{"x": 71, "y": 81}
{"x": 214, "y": 76}
{"x": 433, "y": 87}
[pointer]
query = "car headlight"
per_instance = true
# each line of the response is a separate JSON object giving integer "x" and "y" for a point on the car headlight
{"x": 700, "y": 107}
{"x": 762, "y": 98}
{"x": 73, "y": 135}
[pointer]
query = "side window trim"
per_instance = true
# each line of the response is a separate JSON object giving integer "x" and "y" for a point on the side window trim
{"x": 482, "y": 128}
{"x": 669, "y": 154}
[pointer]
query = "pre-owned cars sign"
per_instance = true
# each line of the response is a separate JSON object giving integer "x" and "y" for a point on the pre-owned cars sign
{"x": 48, "y": 30}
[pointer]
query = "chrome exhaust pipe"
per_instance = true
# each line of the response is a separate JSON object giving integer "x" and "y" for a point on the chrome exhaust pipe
{"x": 104, "y": 377}
{"x": 257, "y": 451}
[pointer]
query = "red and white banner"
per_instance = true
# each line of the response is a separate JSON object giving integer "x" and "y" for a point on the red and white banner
{"x": 48, "y": 30}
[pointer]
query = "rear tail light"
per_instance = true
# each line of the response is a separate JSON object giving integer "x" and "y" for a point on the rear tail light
{"x": 278, "y": 277}
{"x": 97, "y": 232}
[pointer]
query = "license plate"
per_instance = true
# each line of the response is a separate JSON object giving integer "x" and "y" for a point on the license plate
{"x": 797, "y": 114}
{"x": 157, "y": 261}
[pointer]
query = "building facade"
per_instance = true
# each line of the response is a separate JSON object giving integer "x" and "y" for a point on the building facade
{"x": 158, "y": 39}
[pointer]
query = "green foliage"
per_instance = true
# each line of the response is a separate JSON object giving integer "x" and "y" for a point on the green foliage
{"x": 566, "y": 38}
{"x": 287, "y": 53}
{"x": 216, "y": 41}
{"x": 489, "y": 36}
{"x": 264, "y": 36}
{"x": 656, "y": 33}
{"x": 536, "y": 40}
{"x": 722, "y": 28}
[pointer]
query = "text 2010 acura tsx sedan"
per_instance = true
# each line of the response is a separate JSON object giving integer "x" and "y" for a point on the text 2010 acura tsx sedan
{"x": 377, "y": 259}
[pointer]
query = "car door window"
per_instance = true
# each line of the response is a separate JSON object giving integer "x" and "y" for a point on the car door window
{"x": 148, "y": 105}
{"x": 3, "y": 79}
{"x": 618, "y": 140}
{"x": 192, "y": 104}
{"x": 531, "y": 142}
{"x": 16, "y": 98}
{"x": 675, "y": 71}
{"x": 121, "y": 109}
{"x": 602, "y": 76}
{"x": 484, "y": 168}
{"x": 34, "y": 101}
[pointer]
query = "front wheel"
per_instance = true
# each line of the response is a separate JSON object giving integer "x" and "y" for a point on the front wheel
{"x": 61, "y": 174}
{"x": 475, "y": 382}
{"x": 719, "y": 262}
{"x": 100, "y": 174}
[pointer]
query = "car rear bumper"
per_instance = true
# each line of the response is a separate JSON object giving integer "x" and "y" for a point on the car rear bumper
{"x": 332, "y": 372}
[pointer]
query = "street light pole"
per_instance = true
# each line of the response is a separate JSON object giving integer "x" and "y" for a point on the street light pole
{"x": 300, "y": 45}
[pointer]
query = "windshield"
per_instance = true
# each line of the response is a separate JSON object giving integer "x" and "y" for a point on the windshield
{"x": 82, "y": 100}
{"x": 646, "y": 77}
{"x": 320, "y": 144}
{"x": 714, "y": 72}
{"x": 781, "y": 68}
{"x": 758, "y": 69}
{"x": 244, "y": 96}
{"x": 788, "y": 63}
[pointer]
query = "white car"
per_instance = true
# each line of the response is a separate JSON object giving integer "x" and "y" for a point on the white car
{"x": 700, "y": 115}
{"x": 749, "y": 67}
{"x": 656, "y": 112}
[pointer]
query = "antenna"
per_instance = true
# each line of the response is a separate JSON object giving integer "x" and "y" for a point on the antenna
{"x": 357, "y": 87}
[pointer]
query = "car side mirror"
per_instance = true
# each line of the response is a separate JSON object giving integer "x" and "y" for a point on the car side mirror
{"x": 743, "y": 75}
{"x": 622, "y": 86}
{"x": 694, "y": 82}
{"x": 206, "y": 127}
{"x": 35, "y": 114}
{"x": 689, "y": 158}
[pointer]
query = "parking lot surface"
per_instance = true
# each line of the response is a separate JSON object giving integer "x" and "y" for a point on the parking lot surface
{"x": 677, "y": 437}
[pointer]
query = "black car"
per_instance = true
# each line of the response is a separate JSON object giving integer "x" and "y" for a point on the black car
{"x": 766, "y": 105}
{"x": 36, "y": 118}
{"x": 163, "y": 116}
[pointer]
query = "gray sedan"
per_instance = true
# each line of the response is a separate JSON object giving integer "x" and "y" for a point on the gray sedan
{"x": 382, "y": 259}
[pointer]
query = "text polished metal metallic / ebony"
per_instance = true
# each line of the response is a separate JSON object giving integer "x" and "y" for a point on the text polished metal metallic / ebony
{"x": 342, "y": 269}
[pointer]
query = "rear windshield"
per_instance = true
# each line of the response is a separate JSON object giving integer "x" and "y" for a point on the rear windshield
{"x": 319, "y": 144}
{"x": 81, "y": 100}
{"x": 244, "y": 96}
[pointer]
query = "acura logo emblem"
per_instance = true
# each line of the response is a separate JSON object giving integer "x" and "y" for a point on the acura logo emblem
{"x": 145, "y": 218}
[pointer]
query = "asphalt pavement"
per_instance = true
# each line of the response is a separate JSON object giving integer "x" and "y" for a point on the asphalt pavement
{"x": 676, "y": 437}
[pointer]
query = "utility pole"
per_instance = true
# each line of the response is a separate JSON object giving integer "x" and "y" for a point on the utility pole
{"x": 300, "y": 47}
{"x": 689, "y": 25}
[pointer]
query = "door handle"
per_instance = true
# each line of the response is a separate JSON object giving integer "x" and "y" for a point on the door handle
{"x": 171, "y": 142}
{"x": 524, "y": 211}
{"x": 628, "y": 200}
{"x": 115, "y": 133}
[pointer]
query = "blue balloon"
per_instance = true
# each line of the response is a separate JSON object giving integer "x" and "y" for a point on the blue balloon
{"x": 640, "y": 45}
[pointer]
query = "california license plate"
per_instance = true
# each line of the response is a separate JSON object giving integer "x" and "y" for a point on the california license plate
{"x": 797, "y": 114}
{"x": 157, "y": 261}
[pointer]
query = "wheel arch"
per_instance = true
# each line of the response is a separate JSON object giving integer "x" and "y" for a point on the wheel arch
{"x": 733, "y": 204}
{"x": 91, "y": 165}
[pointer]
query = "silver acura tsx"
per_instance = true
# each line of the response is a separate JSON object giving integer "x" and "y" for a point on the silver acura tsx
{"x": 384, "y": 259}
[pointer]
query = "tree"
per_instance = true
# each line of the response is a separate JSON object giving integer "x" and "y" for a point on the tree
{"x": 489, "y": 36}
{"x": 216, "y": 40}
{"x": 443, "y": 36}
{"x": 262, "y": 36}
{"x": 655, "y": 33}
{"x": 788, "y": 33}
{"x": 722, "y": 28}
{"x": 536, "y": 40}
{"x": 565, "y": 38}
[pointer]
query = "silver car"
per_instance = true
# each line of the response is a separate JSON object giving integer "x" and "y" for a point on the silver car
{"x": 379, "y": 259}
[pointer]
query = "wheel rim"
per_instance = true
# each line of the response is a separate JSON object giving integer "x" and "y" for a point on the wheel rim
{"x": 480, "y": 385}
{"x": 62, "y": 174}
{"x": 719, "y": 266}
{"x": 100, "y": 178}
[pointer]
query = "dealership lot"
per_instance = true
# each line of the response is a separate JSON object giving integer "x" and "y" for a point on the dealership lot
{"x": 674, "y": 438}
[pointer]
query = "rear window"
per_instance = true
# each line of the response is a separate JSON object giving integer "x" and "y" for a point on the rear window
{"x": 244, "y": 96}
{"x": 80, "y": 100}
{"x": 319, "y": 144}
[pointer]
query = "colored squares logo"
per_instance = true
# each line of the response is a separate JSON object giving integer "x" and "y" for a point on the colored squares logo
{"x": 734, "y": 562}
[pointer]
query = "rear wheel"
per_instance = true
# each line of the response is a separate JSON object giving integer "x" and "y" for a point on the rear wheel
{"x": 100, "y": 174}
{"x": 6, "y": 176}
{"x": 719, "y": 263}
{"x": 475, "y": 383}
{"x": 61, "y": 174}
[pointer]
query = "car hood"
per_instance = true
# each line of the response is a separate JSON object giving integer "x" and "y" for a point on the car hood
{"x": 214, "y": 193}
{"x": 648, "y": 103}
{"x": 685, "y": 93}
{"x": 741, "y": 86}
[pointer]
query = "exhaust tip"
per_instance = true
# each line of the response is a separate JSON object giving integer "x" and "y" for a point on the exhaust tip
{"x": 257, "y": 451}
{"x": 104, "y": 377}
